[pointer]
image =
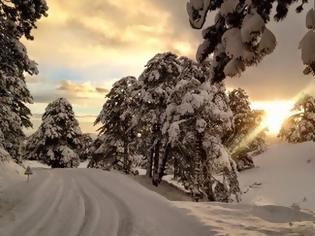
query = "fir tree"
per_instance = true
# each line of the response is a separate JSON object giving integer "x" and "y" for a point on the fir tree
{"x": 157, "y": 82}
{"x": 17, "y": 19}
{"x": 57, "y": 140}
{"x": 300, "y": 127}
{"x": 117, "y": 130}
{"x": 247, "y": 137}
{"x": 198, "y": 115}
{"x": 85, "y": 151}
{"x": 179, "y": 118}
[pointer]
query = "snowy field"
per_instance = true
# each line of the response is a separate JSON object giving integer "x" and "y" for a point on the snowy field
{"x": 284, "y": 175}
{"x": 251, "y": 220}
{"x": 90, "y": 202}
{"x": 278, "y": 199}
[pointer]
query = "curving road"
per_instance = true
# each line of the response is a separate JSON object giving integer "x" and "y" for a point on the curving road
{"x": 89, "y": 202}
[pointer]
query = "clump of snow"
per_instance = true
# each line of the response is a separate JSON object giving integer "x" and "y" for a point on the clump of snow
{"x": 252, "y": 26}
{"x": 310, "y": 19}
{"x": 307, "y": 46}
{"x": 284, "y": 175}
{"x": 84, "y": 164}
{"x": 173, "y": 182}
{"x": 268, "y": 42}
{"x": 234, "y": 67}
{"x": 197, "y": 4}
{"x": 232, "y": 43}
{"x": 228, "y": 6}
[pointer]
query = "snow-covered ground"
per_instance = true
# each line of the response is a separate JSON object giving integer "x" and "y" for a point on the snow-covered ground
{"x": 284, "y": 175}
{"x": 10, "y": 173}
{"x": 250, "y": 220}
{"x": 37, "y": 164}
{"x": 278, "y": 198}
{"x": 86, "y": 202}
{"x": 94, "y": 202}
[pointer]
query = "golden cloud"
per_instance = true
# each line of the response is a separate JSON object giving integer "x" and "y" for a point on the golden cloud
{"x": 85, "y": 88}
{"x": 80, "y": 34}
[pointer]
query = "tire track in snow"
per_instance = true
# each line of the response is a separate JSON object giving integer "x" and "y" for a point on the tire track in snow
{"x": 80, "y": 212}
{"x": 125, "y": 224}
{"x": 92, "y": 214}
{"x": 71, "y": 207}
{"x": 71, "y": 202}
{"x": 43, "y": 222}
{"x": 29, "y": 191}
{"x": 45, "y": 208}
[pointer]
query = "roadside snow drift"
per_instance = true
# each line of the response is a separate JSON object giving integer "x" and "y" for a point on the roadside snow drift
{"x": 250, "y": 220}
{"x": 284, "y": 175}
{"x": 10, "y": 173}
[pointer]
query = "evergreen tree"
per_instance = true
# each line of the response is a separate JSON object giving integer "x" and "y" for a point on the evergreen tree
{"x": 300, "y": 127}
{"x": 112, "y": 147}
{"x": 239, "y": 36}
{"x": 156, "y": 84}
{"x": 57, "y": 140}
{"x": 179, "y": 118}
{"x": 198, "y": 115}
{"x": 247, "y": 137}
{"x": 85, "y": 151}
{"x": 17, "y": 19}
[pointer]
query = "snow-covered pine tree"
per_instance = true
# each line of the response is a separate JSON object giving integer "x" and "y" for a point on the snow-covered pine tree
{"x": 300, "y": 127}
{"x": 112, "y": 147}
{"x": 197, "y": 117}
{"x": 156, "y": 84}
{"x": 57, "y": 140}
{"x": 17, "y": 19}
{"x": 239, "y": 36}
{"x": 247, "y": 137}
{"x": 85, "y": 152}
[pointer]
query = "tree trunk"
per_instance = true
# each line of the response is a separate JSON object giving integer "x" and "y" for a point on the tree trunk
{"x": 156, "y": 163}
{"x": 150, "y": 161}
{"x": 164, "y": 162}
{"x": 176, "y": 168}
{"x": 205, "y": 177}
{"x": 126, "y": 158}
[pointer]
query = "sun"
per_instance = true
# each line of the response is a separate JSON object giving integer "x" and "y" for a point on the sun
{"x": 276, "y": 113}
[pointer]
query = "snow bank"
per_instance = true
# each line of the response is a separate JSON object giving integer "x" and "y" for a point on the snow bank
{"x": 35, "y": 164}
{"x": 83, "y": 164}
{"x": 248, "y": 220}
{"x": 10, "y": 172}
{"x": 284, "y": 175}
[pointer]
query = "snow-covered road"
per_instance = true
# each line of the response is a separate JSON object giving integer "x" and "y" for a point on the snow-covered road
{"x": 89, "y": 202}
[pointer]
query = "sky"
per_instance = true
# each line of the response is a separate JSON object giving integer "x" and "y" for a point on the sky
{"x": 84, "y": 46}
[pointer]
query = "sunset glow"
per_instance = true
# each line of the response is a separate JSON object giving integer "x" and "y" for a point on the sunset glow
{"x": 276, "y": 113}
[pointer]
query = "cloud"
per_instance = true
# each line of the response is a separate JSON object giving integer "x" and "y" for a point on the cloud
{"x": 102, "y": 90}
{"x": 84, "y": 46}
{"x": 85, "y": 88}
{"x": 32, "y": 79}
